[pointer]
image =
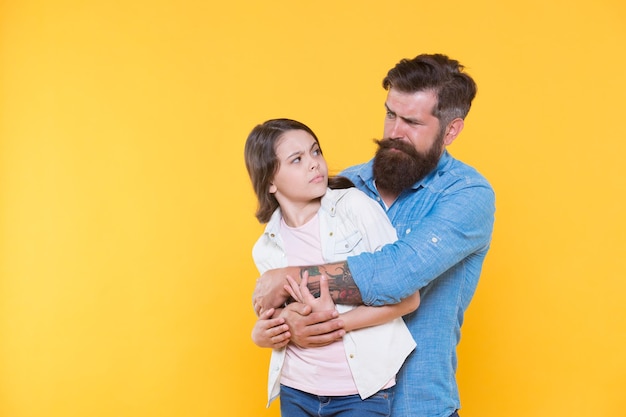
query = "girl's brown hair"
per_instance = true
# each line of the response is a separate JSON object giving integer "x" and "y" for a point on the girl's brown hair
{"x": 262, "y": 163}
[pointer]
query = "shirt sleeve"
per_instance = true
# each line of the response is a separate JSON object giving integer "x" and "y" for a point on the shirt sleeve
{"x": 458, "y": 226}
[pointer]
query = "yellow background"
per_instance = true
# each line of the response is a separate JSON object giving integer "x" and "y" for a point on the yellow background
{"x": 126, "y": 214}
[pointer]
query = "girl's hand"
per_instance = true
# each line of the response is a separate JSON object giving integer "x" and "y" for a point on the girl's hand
{"x": 269, "y": 332}
{"x": 301, "y": 293}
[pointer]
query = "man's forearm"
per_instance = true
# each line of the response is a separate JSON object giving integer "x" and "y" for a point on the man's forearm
{"x": 340, "y": 283}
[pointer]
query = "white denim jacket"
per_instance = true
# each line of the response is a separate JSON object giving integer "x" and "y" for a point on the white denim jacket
{"x": 350, "y": 223}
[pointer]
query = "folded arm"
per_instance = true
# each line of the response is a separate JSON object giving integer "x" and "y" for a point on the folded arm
{"x": 270, "y": 290}
{"x": 357, "y": 318}
{"x": 367, "y": 316}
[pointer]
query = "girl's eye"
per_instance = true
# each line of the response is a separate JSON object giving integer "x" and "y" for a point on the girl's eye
{"x": 317, "y": 151}
{"x": 295, "y": 160}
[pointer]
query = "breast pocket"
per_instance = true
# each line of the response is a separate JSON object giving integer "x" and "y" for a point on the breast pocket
{"x": 349, "y": 244}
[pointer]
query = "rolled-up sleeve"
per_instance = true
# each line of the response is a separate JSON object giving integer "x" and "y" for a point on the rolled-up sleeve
{"x": 438, "y": 227}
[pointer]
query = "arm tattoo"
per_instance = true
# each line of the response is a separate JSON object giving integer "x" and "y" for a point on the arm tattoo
{"x": 340, "y": 283}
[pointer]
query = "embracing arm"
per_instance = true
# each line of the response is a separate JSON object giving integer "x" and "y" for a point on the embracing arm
{"x": 454, "y": 231}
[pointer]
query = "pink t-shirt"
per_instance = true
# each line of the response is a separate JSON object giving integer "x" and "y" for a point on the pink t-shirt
{"x": 323, "y": 370}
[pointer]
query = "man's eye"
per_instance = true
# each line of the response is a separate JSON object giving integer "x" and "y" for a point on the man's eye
{"x": 390, "y": 114}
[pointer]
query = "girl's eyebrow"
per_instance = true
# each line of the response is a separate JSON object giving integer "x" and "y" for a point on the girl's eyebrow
{"x": 296, "y": 153}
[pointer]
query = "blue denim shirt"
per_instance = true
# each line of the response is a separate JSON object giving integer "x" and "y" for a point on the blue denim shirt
{"x": 444, "y": 224}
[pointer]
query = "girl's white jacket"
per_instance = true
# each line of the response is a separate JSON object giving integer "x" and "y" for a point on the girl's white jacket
{"x": 350, "y": 223}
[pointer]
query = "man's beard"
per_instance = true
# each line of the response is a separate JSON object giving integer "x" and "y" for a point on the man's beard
{"x": 398, "y": 165}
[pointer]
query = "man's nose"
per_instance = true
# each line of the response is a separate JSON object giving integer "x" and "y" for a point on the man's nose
{"x": 396, "y": 129}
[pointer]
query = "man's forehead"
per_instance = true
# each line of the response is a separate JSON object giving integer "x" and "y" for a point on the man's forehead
{"x": 407, "y": 104}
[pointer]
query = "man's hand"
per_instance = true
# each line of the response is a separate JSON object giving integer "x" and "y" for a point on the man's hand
{"x": 312, "y": 329}
{"x": 270, "y": 289}
{"x": 270, "y": 332}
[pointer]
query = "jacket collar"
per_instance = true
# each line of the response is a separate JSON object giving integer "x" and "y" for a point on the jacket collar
{"x": 329, "y": 206}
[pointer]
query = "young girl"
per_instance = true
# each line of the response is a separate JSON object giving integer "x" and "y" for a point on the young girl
{"x": 313, "y": 219}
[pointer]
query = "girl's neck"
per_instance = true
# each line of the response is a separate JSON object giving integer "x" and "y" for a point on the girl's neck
{"x": 298, "y": 214}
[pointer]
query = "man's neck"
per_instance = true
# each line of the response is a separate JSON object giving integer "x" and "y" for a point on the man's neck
{"x": 387, "y": 196}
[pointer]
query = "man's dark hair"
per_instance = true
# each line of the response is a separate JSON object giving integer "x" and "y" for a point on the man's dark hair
{"x": 453, "y": 88}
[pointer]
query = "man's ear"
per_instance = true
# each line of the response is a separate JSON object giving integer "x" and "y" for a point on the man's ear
{"x": 452, "y": 131}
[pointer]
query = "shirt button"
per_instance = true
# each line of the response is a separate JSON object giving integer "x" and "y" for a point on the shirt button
{"x": 407, "y": 231}
{"x": 330, "y": 234}
{"x": 434, "y": 240}
{"x": 352, "y": 356}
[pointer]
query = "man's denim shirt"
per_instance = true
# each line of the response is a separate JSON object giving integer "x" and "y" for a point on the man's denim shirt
{"x": 444, "y": 223}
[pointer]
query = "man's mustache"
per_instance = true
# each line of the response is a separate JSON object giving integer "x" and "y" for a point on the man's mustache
{"x": 390, "y": 143}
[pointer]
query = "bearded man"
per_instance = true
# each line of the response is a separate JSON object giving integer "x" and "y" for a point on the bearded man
{"x": 443, "y": 212}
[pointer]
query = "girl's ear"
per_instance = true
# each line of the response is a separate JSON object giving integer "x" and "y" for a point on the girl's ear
{"x": 273, "y": 189}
